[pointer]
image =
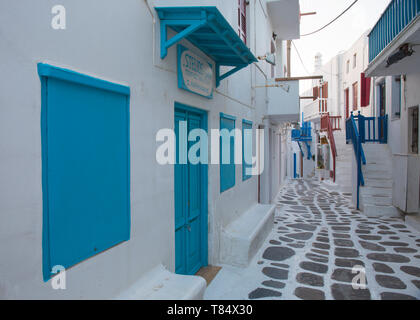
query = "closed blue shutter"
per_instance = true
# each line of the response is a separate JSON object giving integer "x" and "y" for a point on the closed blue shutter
{"x": 246, "y": 149}
{"x": 227, "y": 150}
{"x": 86, "y": 166}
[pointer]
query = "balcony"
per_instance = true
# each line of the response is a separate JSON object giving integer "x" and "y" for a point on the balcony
{"x": 398, "y": 25}
{"x": 283, "y": 102}
{"x": 315, "y": 110}
{"x": 303, "y": 134}
{"x": 285, "y": 18}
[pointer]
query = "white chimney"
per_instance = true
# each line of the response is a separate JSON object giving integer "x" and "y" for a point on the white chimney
{"x": 318, "y": 61}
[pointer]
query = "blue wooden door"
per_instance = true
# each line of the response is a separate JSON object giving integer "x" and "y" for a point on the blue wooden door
{"x": 189, "y": 190}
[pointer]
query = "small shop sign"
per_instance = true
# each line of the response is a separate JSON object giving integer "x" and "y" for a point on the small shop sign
{"x": 195, "y": 73}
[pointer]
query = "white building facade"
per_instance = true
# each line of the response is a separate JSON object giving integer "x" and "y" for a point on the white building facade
{"x": 82, "y": 102}
{"x": 394, "y": 66}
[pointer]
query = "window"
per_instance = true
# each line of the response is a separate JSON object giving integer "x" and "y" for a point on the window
{"x": 382, "y": 99}
{"x": 315, "y": 93}
{"x": 242, "y": 20}
{"x": 85, "y": 166}
{"x": 246, "y": 149}
{"x": 348, "y": 66}
{"x": 355, "y": 96}
{"x": 227, "y": 152}
{"x": 347, "y": 102}
{"x": 413, "y": 127}
{"x": 396, "y": 97}
{"x": 365, "y": 90}
{"x": 355, "y": 60}
{"x": 323, "y": 104}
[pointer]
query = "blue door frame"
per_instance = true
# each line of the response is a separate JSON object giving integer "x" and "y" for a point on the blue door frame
{"x": 191, "y": 184}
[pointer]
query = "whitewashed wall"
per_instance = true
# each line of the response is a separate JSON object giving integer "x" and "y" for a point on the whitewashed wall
{"x": 119, "y": 42}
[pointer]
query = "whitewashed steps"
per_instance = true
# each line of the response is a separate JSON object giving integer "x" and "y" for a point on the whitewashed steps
{"x": 376, "y": 194}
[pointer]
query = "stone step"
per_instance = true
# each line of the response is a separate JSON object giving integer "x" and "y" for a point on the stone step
{"x": 380, "y": 211}
{"x": 378, "y": 182}
{"x": 376, "y": 191}
{"x": 377, "y": 175}
{"x": 376, "y": 200}
{"x": 379, "y": 167}
{"x": 413, "y": 221}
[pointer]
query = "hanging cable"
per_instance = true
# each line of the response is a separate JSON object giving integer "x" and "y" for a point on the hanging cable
{"x": 308, "y": 34}
{"x": 300, "y": 58}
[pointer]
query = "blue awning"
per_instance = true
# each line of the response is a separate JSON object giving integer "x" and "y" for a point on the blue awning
{"x": 208, "y": 30}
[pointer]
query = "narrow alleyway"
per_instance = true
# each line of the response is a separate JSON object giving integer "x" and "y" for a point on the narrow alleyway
{"x": 317, "y": 240}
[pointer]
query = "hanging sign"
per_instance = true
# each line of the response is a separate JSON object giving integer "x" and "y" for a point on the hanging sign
{"x": 195, "y": 74}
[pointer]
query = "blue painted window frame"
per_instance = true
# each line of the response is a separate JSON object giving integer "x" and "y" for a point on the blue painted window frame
{"x": 227, "y": 171}
{"x": 47, "y": 72}
{"x": 246, "y": 125}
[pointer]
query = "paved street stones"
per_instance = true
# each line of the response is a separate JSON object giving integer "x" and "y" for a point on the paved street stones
{"x": 348, "y": 263}
{"x": 316, "y": 258}
{"x": 371, "y": 246}
{"x": 278, "y": 253}
{"x": 343, "y": 275}
{"x": 346, "y": 292}
{"x": 274, "y": 284}
{"x": 314, "y": 267}
{"x": 346, "y": 253}
{"x": 310, "y": 279}
{"x": 390, "y": 282}
{"x": 396, "y": 296}
{"x": 388, "y": 257}
{"x": 300, "y": 236}
{"x": 414, "y": 271}
{"x": 309, "y": 294}
{"x": 382, "y": 268}
{"x": 278, "y": 274}
{"x": 319, "y": 238}
{"x": 302, "y": 226}
{"x": 343, "y": 243}
{"x": 263, "y": 293}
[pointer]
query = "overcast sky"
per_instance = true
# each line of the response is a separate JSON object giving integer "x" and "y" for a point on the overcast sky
{"x": 337, "y": 37}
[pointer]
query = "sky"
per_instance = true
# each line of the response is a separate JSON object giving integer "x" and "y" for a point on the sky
{"x": 337, "y": 37}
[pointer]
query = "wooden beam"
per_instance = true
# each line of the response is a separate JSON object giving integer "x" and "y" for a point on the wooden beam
{"x": 299, "y": 78}
{"x": 308, "y": 98}
{"x": 307, "y": 14}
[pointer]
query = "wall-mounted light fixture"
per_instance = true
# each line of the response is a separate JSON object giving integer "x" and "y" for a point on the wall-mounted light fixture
{"x": 269, "y": 57}
{"x": 405, "y": 50}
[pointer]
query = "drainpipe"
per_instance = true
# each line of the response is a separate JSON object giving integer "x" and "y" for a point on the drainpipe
{"x": 289, "y": 51}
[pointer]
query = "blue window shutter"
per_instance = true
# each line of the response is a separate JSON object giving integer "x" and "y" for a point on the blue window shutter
{"x": 227, "y": 171}
{"x": 246, "y": 147}
{"x": 85, "y": 166}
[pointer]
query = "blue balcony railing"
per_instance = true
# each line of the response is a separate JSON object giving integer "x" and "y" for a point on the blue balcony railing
{"x": 398, "y": 15}
{"x": 303, "y": 134}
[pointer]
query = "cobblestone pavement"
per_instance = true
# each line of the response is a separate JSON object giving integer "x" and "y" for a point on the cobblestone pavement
{"x": 317, "y": 242}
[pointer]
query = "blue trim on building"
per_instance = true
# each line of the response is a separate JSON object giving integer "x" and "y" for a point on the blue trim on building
{"x": 49, "y": 71}
{"x": 227, "y": 171}
{"x": 227, "y": 116}
{"x": 207, "y": 29}
{"x": 246, "y": 124}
